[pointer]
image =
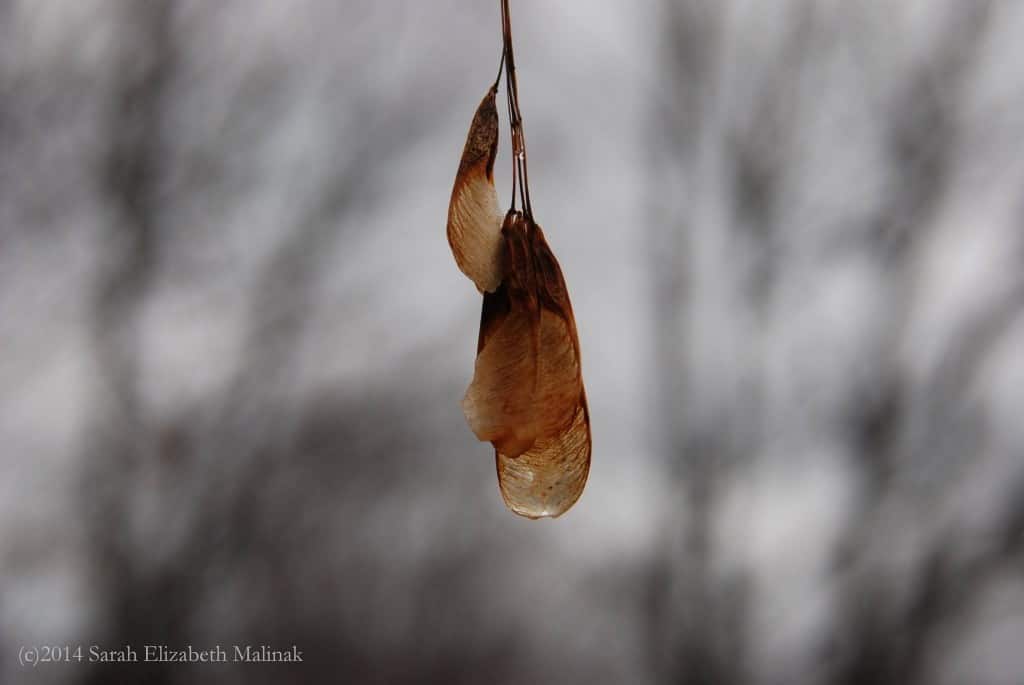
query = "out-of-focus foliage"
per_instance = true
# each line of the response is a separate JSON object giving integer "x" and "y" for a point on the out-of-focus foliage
{"x": 233, "y": 342}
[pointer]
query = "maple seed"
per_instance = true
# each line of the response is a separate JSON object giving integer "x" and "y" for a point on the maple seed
{"x": 474, "y": 219}
{"x": 527, "y": 396}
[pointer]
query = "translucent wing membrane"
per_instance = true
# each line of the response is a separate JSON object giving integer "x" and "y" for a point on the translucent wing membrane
{"x": 548, "y": 478}
{"x": 474, "y": 220}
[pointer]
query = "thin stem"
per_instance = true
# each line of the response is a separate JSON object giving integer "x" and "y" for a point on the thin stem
{"x": 501, "y": 67}
{"x": 519, "y": 163}
{"x": 505, "y": 32}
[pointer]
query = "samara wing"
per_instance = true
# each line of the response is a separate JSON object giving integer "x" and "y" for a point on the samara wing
{"x": 474, "y": 219}
{"x": 527, "y": 395}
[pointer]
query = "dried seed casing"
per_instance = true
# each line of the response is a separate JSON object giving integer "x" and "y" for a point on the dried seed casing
{"x": 527, "y": 396}
{"x": 474, "y": 218}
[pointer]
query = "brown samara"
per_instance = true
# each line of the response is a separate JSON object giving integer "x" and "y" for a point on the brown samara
{"x": 527, "y": 396}
{"x": 474, "y": 220}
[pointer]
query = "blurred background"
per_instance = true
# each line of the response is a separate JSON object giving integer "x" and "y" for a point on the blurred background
{"x": 233, "y": 341}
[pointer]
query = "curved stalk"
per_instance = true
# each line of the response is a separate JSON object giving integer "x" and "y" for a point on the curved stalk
{"x": 520, "y": 171}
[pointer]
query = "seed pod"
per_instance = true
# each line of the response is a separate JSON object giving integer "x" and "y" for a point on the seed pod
{"x": 527, "y": 395}
{"x": 474, "y": 219}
